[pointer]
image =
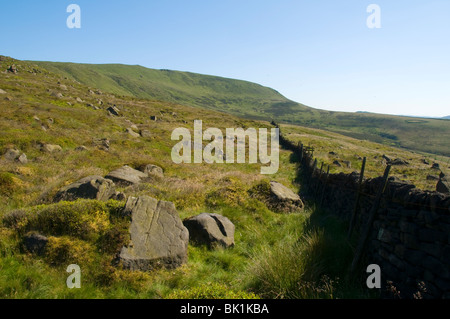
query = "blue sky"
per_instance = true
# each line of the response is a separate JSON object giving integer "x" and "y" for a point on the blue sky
{"x": 320, "y": 53}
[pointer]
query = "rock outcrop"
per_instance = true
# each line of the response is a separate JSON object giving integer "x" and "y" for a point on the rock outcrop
{"x": 91, "y": 187}
{"x": 213, "y": 230}
{"x": 126, "y": 175}
{"x": 157, "y": 235}
{"x": 284, "y": 199}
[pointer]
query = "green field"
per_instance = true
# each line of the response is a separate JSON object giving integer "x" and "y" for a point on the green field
{"x": 250, "y": 100}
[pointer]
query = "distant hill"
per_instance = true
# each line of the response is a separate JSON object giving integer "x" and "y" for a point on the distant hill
{"x": 446, "y": 117}
{"x": 250, "y": 100}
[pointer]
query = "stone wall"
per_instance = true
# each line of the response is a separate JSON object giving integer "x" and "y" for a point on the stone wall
{"x": 410, "y": 236}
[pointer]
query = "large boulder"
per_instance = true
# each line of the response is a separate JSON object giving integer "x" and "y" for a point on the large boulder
{"x": 284, "y": 199}
{"x": 126, "y": 175}
{"x": 157, "y": 235}
{"x": 210, "y": 229}
{"x": 91, "y": 187}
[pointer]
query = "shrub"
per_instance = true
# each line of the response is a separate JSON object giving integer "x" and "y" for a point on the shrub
{"x": 67, "y": 250}
{"x": 7, "y": 183}
{"x": 84, "y": 219}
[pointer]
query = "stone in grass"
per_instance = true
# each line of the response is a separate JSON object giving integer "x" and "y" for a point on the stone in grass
{"x": 91, "y": 187}
{"x": 50, "y": 148}
{"x": 284, "y": 199}
{"x": 35, "y": 243}
{"x": 151, "y": 169}
{"x": 213, "y": 230}
{"x": 126, "y": 175}
{"x": 158, "y": 238}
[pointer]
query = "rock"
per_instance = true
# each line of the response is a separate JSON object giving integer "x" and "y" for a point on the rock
{"x": 126, "y": 176}
{"x": 22, "y": 159}
{"x": 284, "y": 199}
{"x": 347, "y": 164}
{"x": 56, "y": 94}
{"x": 337, "y": 163}
{"x": 157, "y": 235}
{"x": 11, "y": 154}
{"x": 443, "y": 185}
{"x": 35, "y": 243}
{"x": 113, "y": 111}
{"x": 435, "y": 166}
{"x": 12, "y": 69}
{"x": 133, "y": 133}
{"x": 2, "y": 92}
{"x": 425, "y": 161}
{"x": 332, "y": 153}
{"x": 151, "y": 169}
{"x": 91, "y": 187}
{"x": 50, "y": 148}
{"x": 213, "y": 230}
{"x": 81, "y": 148}
{"x": 145, "y": 133}
{"x": 63, "y": 87}
{"x": 398, "y": 161}
{"x": 153, "y": 118}
{"x": 79, "y": 100}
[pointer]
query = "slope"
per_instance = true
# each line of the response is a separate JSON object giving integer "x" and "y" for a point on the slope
{"x": 250, "y": 100}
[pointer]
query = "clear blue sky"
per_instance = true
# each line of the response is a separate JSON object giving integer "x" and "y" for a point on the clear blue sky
{"x": 320, "y": 53}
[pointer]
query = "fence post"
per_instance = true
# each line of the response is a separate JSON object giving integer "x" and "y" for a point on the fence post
{"x": 358, "y": 196}
{"x": 367, "y": 228}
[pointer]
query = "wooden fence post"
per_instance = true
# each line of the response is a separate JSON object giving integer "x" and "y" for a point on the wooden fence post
{"x": 358, "y": 196}
{"x": 367, "y": 228}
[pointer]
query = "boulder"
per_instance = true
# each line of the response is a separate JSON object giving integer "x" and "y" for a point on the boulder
{"x": 2, "y": 92}
{"x": 151, "y": 169}
{"x": 133, "y": 133}
{"x": 11, "y": 154}
{"x": 50, "y": 148}
{"x": 213, "y": 230}
{"x": 91, "y": 187}
{"x": 284, "y": 199}
{"x": 35, "y": 243}
{"x": 443, "y": 185}
{"x": 22, "y": 159}
{"x": 113, "y": 110}
{"x": 398, "y": 161}
{"x": 157, "y": 235}
{"x": 146, "y": 133}
{"x": 435, "y": 166}
{"x": 337, "y": 163}
{"x": 126, "y": 175}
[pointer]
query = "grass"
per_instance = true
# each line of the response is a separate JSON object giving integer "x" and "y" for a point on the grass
{"x": 275, "y": 256}
{"x": 250, "y": 100}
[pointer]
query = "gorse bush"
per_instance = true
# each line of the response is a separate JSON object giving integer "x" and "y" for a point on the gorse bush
{"x": 84, "y": 219}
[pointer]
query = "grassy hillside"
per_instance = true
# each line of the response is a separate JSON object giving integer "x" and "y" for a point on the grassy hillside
{"x": 253, "y": 101}
{"x": 275, "y": 256}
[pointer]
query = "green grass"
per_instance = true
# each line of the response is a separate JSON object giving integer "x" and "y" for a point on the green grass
{"x": 275, "y": 256}
{"x": 250, "y": 100}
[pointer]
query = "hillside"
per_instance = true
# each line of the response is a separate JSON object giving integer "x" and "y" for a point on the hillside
{"x": 250, "y": 100}
{"x": 67, "y": 134}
